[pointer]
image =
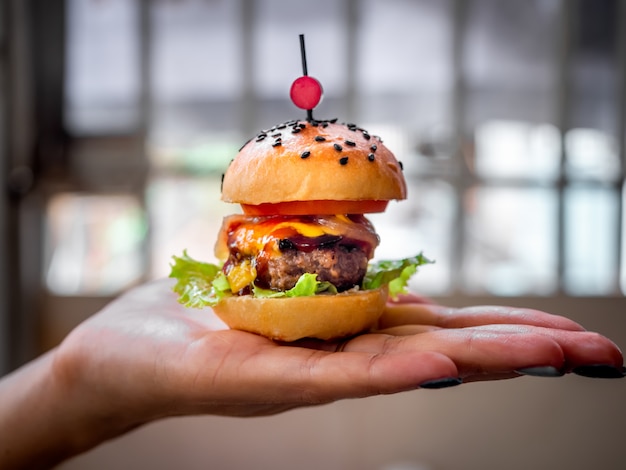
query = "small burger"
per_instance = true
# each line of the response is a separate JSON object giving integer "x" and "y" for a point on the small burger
{"x": 297, "y": 262}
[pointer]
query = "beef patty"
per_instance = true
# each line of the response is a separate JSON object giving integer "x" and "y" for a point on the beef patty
{"x": 342, "y": 265}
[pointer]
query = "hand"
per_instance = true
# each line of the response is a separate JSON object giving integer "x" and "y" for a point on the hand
{"x": 152, "y": 357}
{"x": 145, "y": 357}
{"x": 493, "y": 342}
{"x": 148, "y": 353}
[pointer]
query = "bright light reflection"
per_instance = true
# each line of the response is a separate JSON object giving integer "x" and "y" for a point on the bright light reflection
{"x": 93, "y": 243}
{"x": 512, "y": 149}
{"x": 591, "y": 154}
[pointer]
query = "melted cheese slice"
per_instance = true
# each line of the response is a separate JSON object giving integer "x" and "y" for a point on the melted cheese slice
{"x": 250, "y": 236}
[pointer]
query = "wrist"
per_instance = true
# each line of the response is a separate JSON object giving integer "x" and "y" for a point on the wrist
{"x": 45, "y": 416}
{"x": 94, "y": 413}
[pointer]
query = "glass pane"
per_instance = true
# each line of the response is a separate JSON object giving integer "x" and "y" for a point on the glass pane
{"x": 277, "y": 47}
{"x": 591, "y": 154}
{"x": 594, "y": 72}
{"x": 206, "y": 153}
{"x": 404, "y": 73}
{"x": 102, "y": 68}
{"x": 510, "y": 241}
{"x": 186, "y": 214}
{"x": 510, "y": 73}
{"x": 94, "y": 243}
{"x": 192, "y": 41}
{"x": 196, "y": 72}
{"x": 277, "y": 60}
{"x": 422, "y": 223}
{"x": 512, "y": 149}
{"x": 591, "y": 238}
{"x": 404, "y": 80}
{"x": 594, "y": 76}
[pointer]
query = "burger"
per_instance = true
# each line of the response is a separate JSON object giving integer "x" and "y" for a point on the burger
{"x": 297, "y": 262}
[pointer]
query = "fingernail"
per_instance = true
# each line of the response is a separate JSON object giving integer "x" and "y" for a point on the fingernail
{"x": 441, "y": 383}
{"x": 540, "y": 371}
{"x": 600, "y": 371}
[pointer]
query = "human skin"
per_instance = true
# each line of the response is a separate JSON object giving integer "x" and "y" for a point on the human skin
{"x": 145, "y": 357}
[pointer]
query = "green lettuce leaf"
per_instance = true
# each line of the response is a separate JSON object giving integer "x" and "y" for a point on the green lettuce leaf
{"x": 198, "y": 284}
{"x": 394, "y": 273}
{"x": 306, "y": 285}
{"x": 201, "y": 284}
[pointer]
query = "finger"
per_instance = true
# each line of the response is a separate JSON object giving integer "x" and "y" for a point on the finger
{"x": 481, "y": 351}
{"x": 508, "y": 355}
{"x": 580, "y": 348}
{"x": 353, "y": 374}
{"x": 583, "y": 348}
{"x": 586, "y": 353}
{"x": 396, "y": 314}
{"x": 272, "y": 374}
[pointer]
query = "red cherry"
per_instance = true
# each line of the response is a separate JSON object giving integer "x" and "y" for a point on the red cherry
{"x": 306, "y": 92}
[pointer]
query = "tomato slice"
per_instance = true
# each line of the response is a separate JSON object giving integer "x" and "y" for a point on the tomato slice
{"x": 314, "y": 208}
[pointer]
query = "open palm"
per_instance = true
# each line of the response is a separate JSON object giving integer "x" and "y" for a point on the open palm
{"x": 148, "y": 357}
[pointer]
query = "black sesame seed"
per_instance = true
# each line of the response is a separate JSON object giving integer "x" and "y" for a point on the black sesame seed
{"x": 305, "y": 154}
{"x": 371, "y": 157}
{"x": 401, "y": 165}
{"x": 278, "y": 143}
{"x": 366, "y": 136}
{"x": 282, "y": 126}
{"x": 373, "y": 148}
{"x": 343, "y": 160}
{"x": 278, "y": 134}
{"x": 295, "y": 130}
{"x": 338, "y": 147}
{"x": 333, "y": 120}
{"x": 260, "y": 138}
{"x": 349, "y": 143}
{"x": 319, "y": 138}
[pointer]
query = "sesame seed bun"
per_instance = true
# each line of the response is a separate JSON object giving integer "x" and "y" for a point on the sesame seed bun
{"x": 289, "y": 319}
{"x": 312, "y": 161}
{"x": 300, "y": 168}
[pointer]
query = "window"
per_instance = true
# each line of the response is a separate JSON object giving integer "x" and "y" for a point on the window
{"x": 512, "y": 144}
{"x": 94, "y": 243}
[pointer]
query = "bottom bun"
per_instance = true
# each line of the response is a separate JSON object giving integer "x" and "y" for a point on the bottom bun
{"x": 289, "y": 319}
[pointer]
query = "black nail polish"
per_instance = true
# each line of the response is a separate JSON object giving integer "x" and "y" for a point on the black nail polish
{"x": 441, "y": 383}
{"x": 600, "y": 371}
{"x": 540, "y": 371}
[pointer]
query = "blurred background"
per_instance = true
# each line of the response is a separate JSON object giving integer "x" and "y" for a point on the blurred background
{"x": 118, "y": 117}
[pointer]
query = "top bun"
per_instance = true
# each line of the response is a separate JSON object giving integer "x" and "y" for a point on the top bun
{"x": 313, "y": 161}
